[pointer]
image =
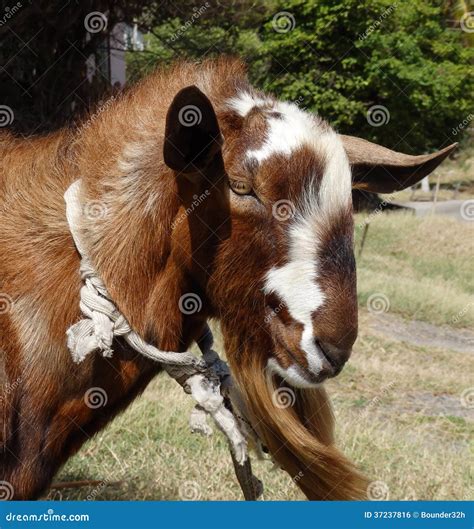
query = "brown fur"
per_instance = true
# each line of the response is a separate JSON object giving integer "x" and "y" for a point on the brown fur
{"x": 300, "y": 437}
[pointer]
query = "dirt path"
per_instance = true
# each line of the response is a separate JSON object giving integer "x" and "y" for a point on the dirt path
{"x": 430, "y": 405}
{"x": 424, "y": 334}
{"x": 451, "y": 208}
{"x": 421, "y": 333}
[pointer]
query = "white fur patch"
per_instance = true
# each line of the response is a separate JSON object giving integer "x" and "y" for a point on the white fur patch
{"x": 336, "y": 185}
{"x": 293, "y": 374}
{"x": 293, "y": 129}
{"x": 296, "y": 281}
{"x": 133, "y": 189}
{"x": 132, "y": 154}
{"x": 286, "y": 133}
{"x": 296, "y": 284}
{"x": 245, "y": 101}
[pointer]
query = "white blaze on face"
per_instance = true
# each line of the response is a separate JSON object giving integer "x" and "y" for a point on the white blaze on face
{"x": 296, "y": 282}
{"x": 286, "y": 133}
{"x": 245, "y": 101}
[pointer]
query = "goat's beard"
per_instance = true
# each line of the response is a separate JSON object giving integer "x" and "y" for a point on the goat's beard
{"x": 300, "y": 437}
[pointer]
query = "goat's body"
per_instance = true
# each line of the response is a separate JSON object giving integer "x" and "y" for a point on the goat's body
{"x": 43, "y": 414}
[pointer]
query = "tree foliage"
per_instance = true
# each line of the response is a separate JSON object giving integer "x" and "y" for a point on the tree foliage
{"x": 345, "y": 57}
{"x": 342, "y": 58}
{"x": 339, "y": 58}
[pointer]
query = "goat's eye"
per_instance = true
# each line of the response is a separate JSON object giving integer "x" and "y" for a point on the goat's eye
{"x": 240, "y": 186}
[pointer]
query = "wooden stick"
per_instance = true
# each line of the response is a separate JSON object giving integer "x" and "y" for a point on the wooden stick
{"x": 435, "y": 199}
{"x": 364, "y": 235}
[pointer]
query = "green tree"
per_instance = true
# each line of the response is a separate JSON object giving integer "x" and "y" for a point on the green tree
{"x": 340, "y": 58}
{"x": 197, "y": 30}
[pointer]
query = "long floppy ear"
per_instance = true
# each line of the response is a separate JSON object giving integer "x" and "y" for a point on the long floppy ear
{"x": 192, "y": 135}
{"x": 381, "y": 170}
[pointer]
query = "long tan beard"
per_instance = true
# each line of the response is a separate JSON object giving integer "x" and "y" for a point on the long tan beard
{"x": 300, "y": 437}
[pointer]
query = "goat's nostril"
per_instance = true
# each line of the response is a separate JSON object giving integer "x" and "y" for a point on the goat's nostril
{"x": 335, "y": 357}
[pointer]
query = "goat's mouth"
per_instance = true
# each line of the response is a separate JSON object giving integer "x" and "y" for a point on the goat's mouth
{"x": 299, "y": 374}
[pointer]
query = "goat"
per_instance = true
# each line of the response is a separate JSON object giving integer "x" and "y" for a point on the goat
{"x": 193, "y": 183}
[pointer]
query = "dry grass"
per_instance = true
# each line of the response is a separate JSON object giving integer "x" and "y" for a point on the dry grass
{"x": 419, "y": 452}
{"x": 422, "y": 265}
{"x": 399, "y": 409}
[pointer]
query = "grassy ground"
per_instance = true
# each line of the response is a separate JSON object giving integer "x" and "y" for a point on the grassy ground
{"x": 402, "y": 410}
{"x": 422, "y": 266}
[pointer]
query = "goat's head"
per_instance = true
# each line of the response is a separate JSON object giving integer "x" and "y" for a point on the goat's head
{"x": 286, "y": 262}
{"x": 282, "y": 278}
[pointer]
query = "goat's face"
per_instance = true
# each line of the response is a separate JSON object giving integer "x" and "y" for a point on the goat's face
{"x": 290, "y": 187}
{"x": 286, "y": 263}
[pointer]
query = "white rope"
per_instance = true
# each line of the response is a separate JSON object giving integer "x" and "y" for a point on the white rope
{"x": 103, "y": 323}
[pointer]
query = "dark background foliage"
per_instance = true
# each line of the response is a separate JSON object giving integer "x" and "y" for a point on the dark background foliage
{"x": 336, "y": 57}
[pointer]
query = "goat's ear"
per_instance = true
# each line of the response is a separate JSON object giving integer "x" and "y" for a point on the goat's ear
{"x": 380, "y": 170}
{"x": 192, "y": 135}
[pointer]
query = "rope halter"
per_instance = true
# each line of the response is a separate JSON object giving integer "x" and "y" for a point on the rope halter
{"x": 204, "y": 378}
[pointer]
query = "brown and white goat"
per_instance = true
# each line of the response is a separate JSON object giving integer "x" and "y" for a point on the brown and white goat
{"x": 193, "y": 182}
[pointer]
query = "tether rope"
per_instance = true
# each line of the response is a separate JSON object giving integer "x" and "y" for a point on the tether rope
{"x": 204, "y": 378}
